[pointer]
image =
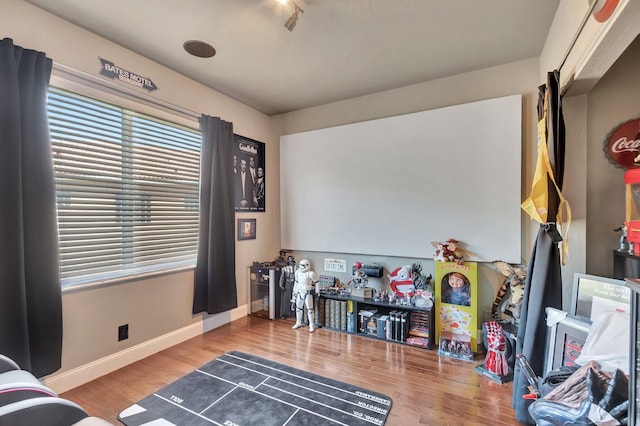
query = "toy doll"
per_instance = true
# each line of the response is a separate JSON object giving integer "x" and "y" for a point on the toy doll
{"x": 456, "y": 289}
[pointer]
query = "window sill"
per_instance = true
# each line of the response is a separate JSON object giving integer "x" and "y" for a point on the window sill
{"x": 96, "y": 283}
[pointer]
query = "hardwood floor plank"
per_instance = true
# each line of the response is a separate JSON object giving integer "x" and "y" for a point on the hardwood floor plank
{"x": 426, "y": 389}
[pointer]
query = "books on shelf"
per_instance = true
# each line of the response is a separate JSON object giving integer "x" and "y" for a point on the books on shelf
{"x": 342, "y": 316}
{"x": 393, "y": 319}
{"x": 404, "y": 325}
{"x": 419, "y": 325}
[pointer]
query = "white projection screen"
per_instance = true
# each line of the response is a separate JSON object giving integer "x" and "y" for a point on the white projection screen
{"x": 391, "y": 186}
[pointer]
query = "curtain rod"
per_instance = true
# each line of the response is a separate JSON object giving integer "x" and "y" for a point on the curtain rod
{"x": 578, "y": 32}
{"x": 99, "y": 83}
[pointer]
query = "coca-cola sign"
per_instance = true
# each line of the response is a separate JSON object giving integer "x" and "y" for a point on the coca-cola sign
{"x": 623, "y": 145}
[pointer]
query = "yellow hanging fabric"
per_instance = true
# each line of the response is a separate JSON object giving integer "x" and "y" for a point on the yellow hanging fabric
{"x": 537, "y": 203}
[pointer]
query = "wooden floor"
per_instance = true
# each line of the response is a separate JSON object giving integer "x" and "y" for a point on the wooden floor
{"x": 426, "y": 389}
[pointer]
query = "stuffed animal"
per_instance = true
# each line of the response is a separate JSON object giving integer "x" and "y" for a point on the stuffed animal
{"x": 438, "y": 256}
{"x": 457, "y": 253}
{"x": 449, "y": 251}
{"x": 442, "y": 254}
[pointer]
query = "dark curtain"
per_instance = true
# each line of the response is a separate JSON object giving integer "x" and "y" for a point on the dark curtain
{"x": 30, "y": 290}
{"x": 215, "y": 275}
{"x": 543, "y": 285}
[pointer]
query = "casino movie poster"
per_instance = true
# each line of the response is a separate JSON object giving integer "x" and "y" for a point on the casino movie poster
{"x": 249, "y": 174}
{"x": 456, "y": 292}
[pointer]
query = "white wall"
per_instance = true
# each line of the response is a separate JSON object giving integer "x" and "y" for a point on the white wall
{"x": 410, "y": 178}
{"x": 161, "y": 306}
{"x": 519, "y": 77}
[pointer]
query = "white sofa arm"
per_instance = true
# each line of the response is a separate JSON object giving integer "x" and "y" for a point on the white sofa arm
{"x": 7, "y": 364}
{"x": 45, "y": 411}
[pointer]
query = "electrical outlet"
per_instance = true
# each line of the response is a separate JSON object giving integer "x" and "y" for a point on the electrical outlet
{"x": 123, "y": 332}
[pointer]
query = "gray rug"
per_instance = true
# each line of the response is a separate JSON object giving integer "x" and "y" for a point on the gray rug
{"x": 242, "y": 389}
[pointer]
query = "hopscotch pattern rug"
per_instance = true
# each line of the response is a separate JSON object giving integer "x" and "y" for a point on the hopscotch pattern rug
{"x": 243, "y": 390}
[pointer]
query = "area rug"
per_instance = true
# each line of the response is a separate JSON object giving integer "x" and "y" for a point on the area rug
{"x": 243, "y": 390}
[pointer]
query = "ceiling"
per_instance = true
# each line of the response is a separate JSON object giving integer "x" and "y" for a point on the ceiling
{"x": 339, "y": 49}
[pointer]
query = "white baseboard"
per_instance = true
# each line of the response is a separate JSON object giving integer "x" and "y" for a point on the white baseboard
{"x": 214, "y": 321}
{"x": 67, "y": 380}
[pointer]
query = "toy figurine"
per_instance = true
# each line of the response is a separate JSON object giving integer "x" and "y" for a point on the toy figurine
{"x": 287, "y": 279}
{"x": 359, "y": 278}
{"x": 508, "y": 302}
{"x": 304, "y": 289}
{"x": 392, "y": 297}
{"x": 624, "y": 243}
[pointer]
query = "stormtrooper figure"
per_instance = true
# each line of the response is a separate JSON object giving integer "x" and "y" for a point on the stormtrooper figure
{"x": 303, "y": 292}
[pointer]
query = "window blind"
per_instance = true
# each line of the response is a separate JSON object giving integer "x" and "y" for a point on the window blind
{"x": 127, "y": 189}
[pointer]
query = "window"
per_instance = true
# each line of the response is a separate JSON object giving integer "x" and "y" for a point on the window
{"x": 127, "y": 189}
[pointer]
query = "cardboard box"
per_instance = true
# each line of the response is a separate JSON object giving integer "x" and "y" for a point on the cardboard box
{"x": 365, "y": 292}
{"x": 364, "y": 317}
{"x": 371, "y": 326}
{"x": 457, "y": 309}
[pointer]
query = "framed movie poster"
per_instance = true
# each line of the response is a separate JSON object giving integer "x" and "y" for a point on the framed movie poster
{"x": 249, "y": 174}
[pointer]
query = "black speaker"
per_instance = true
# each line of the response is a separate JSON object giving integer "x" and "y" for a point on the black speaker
{"x": 373, "y": 271}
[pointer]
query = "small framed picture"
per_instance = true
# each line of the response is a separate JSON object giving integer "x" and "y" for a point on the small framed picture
{"x": 246, "y": 229}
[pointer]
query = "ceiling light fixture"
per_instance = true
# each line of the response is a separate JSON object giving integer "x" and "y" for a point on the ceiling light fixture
{"x": 293, "y": 19}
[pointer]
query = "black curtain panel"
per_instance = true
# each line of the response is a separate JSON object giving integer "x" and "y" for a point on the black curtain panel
{"x": 30, "y": 291}
{"x": 215, "y": 274}
{"x": 543, "y": 286}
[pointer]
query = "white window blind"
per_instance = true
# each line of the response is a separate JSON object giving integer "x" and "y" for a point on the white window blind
{"x": 127, "y": 189}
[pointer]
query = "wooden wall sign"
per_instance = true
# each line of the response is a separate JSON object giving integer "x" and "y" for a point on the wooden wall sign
{"x": 110, "y": 70}
{"x": 623, "y": 145}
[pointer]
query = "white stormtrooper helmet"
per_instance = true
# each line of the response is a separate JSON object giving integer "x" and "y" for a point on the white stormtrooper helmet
{"x": 305, "y": 265}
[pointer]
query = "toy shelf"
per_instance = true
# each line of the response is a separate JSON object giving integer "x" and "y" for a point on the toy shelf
{"x": 405, "y": 324}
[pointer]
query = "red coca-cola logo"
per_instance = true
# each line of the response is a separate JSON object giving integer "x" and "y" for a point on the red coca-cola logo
{"x": 603, "y": 9}
{"x": 623, "y": 145}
